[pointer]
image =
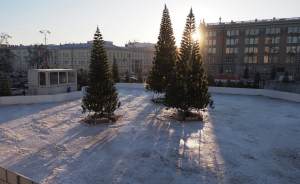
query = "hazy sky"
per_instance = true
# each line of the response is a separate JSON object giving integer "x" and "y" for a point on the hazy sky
{"x": 123, "y": 20}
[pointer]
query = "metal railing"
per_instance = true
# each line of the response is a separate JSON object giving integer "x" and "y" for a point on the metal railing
{"x": 9, "y": 177}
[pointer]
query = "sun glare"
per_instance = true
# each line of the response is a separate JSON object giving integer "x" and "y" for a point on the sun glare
{"x": 196, "y": 36}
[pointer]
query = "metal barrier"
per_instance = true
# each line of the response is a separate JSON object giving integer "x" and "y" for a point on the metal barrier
{"x": 9, "y": 177}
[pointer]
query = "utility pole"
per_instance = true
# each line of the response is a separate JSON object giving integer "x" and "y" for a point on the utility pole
{"x": 45, "y": 33}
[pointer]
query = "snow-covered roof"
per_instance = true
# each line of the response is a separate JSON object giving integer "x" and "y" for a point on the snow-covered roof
{"x": 53, "y": 70}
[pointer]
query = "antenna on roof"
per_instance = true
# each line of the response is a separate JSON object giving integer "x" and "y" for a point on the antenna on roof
{"x": 220, "y": 20}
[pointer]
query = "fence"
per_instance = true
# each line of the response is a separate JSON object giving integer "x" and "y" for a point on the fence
{"x": 288, "y": 87}
{"x": 9, "y": 177}
{"x": 13, "y": 100}
{"x": 257, "y": 92}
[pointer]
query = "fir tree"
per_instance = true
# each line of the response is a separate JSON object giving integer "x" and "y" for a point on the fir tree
{"x": 246, "y": 73}
{"x": 6, "y": 58}
{"x": 188, "y": 88}
{"x": 82, "y": 78}
{"x": 127, "y": 76}
{"x": 38, "y": 56}
{"x": 165, "y": 56}
{"x": 273, "y": 73}
{"x": 101, "y": 97}
{"x": 257, "y": 79}
{"x": 4, "y": 86}
{"x": 115, "y": 71}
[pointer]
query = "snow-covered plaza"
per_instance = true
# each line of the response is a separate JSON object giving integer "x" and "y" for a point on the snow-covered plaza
{"x": 244, "y": 140}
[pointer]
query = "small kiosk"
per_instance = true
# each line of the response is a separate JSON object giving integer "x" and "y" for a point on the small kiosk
{"x": 51, "y": 81}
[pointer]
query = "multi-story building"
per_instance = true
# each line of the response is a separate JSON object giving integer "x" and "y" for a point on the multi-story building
{"x": 260, "y": 46}
{"x": 134, "y": 58}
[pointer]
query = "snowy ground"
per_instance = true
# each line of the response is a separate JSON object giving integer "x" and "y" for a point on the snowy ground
{"x": 252, "y": 140}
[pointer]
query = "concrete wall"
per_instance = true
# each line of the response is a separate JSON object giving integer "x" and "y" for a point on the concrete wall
{"x": 13, "y": 100}
{"x": 257, "y": 92}
{"x": 8, "y": 177}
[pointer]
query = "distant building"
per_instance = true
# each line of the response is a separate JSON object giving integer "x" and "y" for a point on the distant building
{"x": 134, "y": 58}
{"x": 259, "y": 45}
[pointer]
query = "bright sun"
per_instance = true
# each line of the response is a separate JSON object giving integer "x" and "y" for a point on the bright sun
{"x": 196, "y": 36}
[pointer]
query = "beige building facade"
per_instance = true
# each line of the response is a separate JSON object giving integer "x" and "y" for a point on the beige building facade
{"x": 133, "y": 58}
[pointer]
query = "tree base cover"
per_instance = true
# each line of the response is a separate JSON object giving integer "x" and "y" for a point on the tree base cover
{"x": 186, "y": 116}
{"x": 94, "y": 119}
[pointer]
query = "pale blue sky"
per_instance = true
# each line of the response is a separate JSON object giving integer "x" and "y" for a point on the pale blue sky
{"x": 123, "y": 20}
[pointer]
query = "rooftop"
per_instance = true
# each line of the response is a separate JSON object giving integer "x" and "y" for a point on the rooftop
{"x": 257, "y": 21}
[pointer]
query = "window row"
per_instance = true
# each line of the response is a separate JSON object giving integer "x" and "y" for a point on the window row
{"x": 252, "y": 31}
{"x": 251, "y": 41}
{"x": 234, "y": 32}
{"x": 273, "y": 50}
{"x": 251, "y": 50}
{"x": 212, "y": 33}
{"x": 212, "y": 50}
{"x": 211, "y": 42}
{"x": 272, "y": 40}
{"x": 57, "y": 78}
{"x": 293, "y": 39}
{"x": 293, "y": 29}
{"x": 232, "y": 41}
{"x": 292, "y": 49}
{"x": 273, "y": 30}
{"x": 250, "y": 59}
{"x": 232, "y": 50}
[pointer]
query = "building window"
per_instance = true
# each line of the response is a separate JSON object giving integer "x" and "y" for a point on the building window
{"x": 251, "y": 50}
{"x": 211, "y": 42}
{"x": 273, "y": 50}
{"x": 42, "y": 78}
{"x": 71, "y": 77}
{"x": 212, "y": 33}
{"x": 290, "y": 59}
{"x": 293, "y": 29}
{"x": 251, "y": 41}
{"x": 293, "y": 39}
{"x": 62, "y": 77}
{"x": 273, "y": 30}
{"x": 210, "y": 59}
{"x": 211, "y": 50}
{"x": 232, "y": 33}
{"x": 266, "y": 59}
{"x": 232, "y": 41}
{"x": 252, "y": 32}
{"x": 53, "y": 78}
{"x": 230, "y": 50}
{"x": 272, "y": 40}
{"x": 250, "y": 59}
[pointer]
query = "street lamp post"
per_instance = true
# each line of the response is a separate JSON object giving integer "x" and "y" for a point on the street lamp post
{"x": 45, "y": 33}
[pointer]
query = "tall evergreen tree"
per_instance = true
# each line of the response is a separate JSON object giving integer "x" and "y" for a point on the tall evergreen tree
{"x": 38, "y": 56}
{"x": 188, "y": 88}
{"x": 165, "y": 56}
{"x": 246, "y": 73}
{"x": 4, "y": 86}
{"x": 6, "y": 59}
{"x": 273, "y": 73}
{"x": 101, "y": 97}
{"x": 115, "y": 71}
